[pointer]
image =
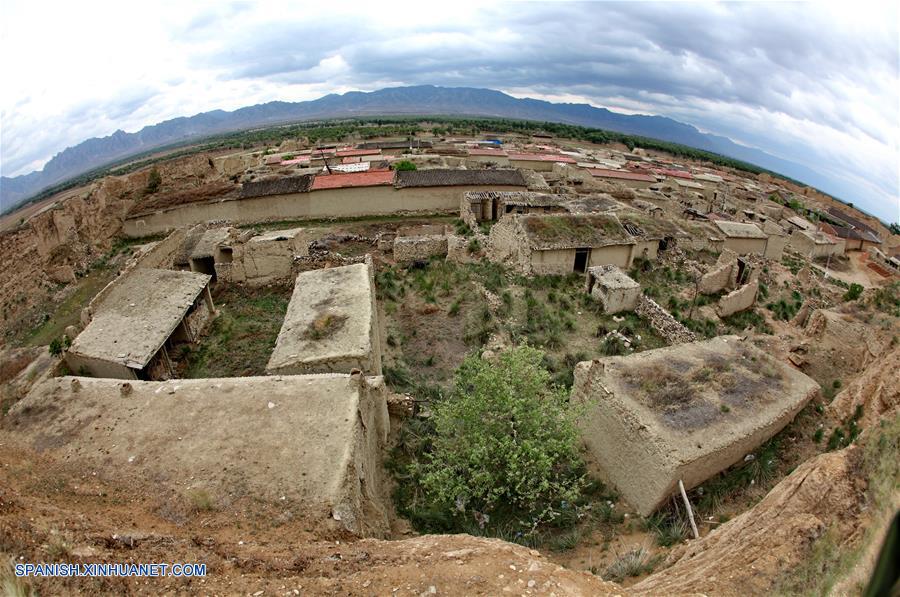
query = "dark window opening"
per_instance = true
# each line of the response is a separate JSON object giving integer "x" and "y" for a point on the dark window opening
{"x": 204, "y": 265}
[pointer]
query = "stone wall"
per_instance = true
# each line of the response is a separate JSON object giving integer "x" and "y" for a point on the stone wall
{"x": 419, "y": 248}
{"x": 662, "y": 321}
{"x": 738, "y": 300}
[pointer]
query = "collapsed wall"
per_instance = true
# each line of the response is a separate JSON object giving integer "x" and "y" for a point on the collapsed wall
{"x": 310, "y": 443}
{"x": 662, "y": 321}
{"x": 683, "y": 413}
{"x": 408, "y": 249}
{"x": 738, "y": 300}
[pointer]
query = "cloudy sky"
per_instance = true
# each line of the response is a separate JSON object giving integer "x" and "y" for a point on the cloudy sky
{"x": 815, "y": 83}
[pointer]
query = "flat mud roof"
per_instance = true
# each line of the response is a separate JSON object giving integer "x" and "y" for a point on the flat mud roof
{"x": 141, "y": 310}
{"x": 330, "y": 324}
{"x": 684, "y": 412}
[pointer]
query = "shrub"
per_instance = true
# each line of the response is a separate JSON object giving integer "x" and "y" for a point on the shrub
{"x": 504, "y": 446}
{"x": 153, "y": 182}
{"x": 57, "y": 346}
{"x": 404, "y": 165}
{"x": 634, "y": 562}
{"x": 854, "y": 292}
{"x": 201, "y": 501}
{"x": 474, "y": 246}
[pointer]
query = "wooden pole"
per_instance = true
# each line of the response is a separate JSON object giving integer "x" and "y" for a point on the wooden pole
{"x": 690, "y": 512}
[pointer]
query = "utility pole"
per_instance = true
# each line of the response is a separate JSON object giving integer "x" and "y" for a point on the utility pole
{"x": 325, "y": 159}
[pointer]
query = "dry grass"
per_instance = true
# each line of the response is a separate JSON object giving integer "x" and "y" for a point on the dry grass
{"x": 324, "y": 325}
{"x": 10, "y": 585}
{"x": 201, "y": 501}
{"x": 635, "y": 562}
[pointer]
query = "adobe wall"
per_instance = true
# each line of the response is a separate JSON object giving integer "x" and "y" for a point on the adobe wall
{"x": 506, "y": 245}
{"x": 328, "y": 203}
{"x": 644, "y": 449}
{"x": 258, "y": 262}
{"x": 775, "y": 246}
{"x": 478, "y": 160}
{"x": 615, "y": 296}
{"x": 746, "y": 246}
{"x": 332, "y": 428}
{"x": 738, "y": 300}
{"x": 721, "y": 276}
{"x": 77, "y": 364}
{"x": 419, "y": 248}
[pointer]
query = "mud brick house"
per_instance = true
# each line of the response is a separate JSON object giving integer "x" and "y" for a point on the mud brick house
{"x": 143, "y": 315}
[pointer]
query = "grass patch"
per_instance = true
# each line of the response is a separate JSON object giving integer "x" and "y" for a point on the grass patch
{"x": 68, "y": 312}
{"x": 240, "y": 340}
{"x": 324, "y": 325}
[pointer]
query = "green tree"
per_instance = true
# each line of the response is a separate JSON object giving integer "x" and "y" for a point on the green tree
{"x": 404, "y": 165}
{"x": 505, "y": 443}
{"x": 153, "y": 181}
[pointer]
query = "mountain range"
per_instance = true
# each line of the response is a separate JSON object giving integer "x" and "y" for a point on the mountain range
{"x": 424, "y": 100}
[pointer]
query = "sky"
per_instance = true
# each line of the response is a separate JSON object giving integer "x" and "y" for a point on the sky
{"x": 814, "y": 83}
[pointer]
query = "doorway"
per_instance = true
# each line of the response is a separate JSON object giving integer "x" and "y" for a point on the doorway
{"x": 204, "y": 265}
{"x": 582, "y": 256}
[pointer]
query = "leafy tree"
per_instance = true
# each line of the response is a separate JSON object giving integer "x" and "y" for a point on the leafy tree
{"x": 404, "y": 165}
{"x": 153, "y": 181}
{"x": 505, "y": 444}
{"x": 854, "y": 292}
{"x": 895, "y": 228}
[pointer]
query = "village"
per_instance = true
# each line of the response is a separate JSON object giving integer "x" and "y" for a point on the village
{"x": 280, "y": 322}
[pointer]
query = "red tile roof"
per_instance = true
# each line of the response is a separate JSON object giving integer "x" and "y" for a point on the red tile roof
{"x": 355, "y": 179}
{"x": 620, "y": 174}
{"x": 542, "y": 157}
{"x": 345, "y": 153}
{"x": 494, "y": 152}
{"x": 303, "y": 159}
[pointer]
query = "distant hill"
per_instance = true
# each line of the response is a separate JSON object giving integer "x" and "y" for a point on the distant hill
{"x": 425, "y": 100}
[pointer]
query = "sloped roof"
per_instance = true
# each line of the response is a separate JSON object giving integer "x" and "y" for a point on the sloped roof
{"x": 854, "y": 222}
{"x": 207, "y": 192}
{"x": 517, "y": 197}
{"x": 541, "y": 157}
{"x": 277, "y": 186}
{"x": 355, "y": 179}
{"x": 739, "y": 229}
{"x": 568, "y": 231}
{"x": 647, "y": 227}
{"x": 850, "y": 233}
{"x": 393, "y": 144}
{"x": 357, "y": 152}
{"x": 453, "y": 178}
{"x": 620, "y": 175}
{"x": 488, "y": 151}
